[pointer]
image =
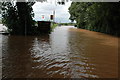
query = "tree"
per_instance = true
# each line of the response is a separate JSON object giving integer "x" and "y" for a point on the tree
{"x": 101, "y": 17}
{"x": 25, "y": 14}
{"x": 18, "y": 17}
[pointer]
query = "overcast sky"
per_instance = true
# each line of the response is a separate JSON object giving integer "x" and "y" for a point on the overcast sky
{"x": 47, "y": 8}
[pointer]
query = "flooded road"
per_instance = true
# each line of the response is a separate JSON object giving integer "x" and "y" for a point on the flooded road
{"x": 65, "y": 53}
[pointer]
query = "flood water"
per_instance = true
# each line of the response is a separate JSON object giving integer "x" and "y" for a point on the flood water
{"x": 67, "y": 52}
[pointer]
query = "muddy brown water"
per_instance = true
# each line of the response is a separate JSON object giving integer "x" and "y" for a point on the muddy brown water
{"x": 65, "y": 53}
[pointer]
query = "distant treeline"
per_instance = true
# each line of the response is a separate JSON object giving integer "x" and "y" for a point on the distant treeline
{"x": 100, "y": 17}
{"x": 67, "y": 24}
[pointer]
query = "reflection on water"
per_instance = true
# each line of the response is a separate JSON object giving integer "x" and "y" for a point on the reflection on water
{"x": 65, "y": 53}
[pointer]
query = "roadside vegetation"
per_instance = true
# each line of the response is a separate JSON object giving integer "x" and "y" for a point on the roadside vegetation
{"x": 18, "y": 16}
{"x": 101, "y": 17}
{"x": 67, "y": 24}
{"x": 53, "y": 25}
{"x": 0, "y": 21}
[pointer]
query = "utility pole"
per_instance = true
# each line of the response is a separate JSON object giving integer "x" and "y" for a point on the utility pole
{"x": 54, "y": 16}
{"x": 54, "y": 12}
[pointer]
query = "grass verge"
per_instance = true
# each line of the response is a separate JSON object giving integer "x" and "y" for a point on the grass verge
{"x": 53, "y": 25}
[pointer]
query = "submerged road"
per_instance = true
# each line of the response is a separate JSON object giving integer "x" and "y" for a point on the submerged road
{"x": 67, "y": 52}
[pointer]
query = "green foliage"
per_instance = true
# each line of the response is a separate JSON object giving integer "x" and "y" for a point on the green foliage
{"x": 67, "y": 24}
{"x": 0, "y": 21}
{"x": 53, "y": 25}
{"x": 101, "y": 17}
{"x": 18, "y": 18}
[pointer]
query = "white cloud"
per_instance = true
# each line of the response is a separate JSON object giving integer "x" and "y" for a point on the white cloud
{"x": 47, "y": 8}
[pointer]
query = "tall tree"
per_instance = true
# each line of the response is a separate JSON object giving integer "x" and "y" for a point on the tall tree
{"x": 18, "y": 17}
{"x": 25, "y": 14}
{"x": 101, "y": 17}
